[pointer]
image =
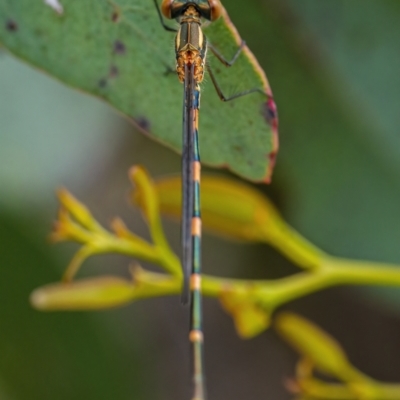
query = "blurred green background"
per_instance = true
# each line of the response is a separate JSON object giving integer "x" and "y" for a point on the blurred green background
{"x": 334, "y": 69}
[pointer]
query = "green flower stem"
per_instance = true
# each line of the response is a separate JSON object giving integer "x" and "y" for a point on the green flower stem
{"x": 317, "y": 389}
{"x": 152, "y": 284}
{"x": 390, "y": 391}
{"x": 273, "y": 293}
{"x": 294, "y": 246}
{"x": 363, "y": 272}
{"x": 138, "y": 248}
{"x": 143, "y": 250}
{"x": 80, "y": 256}
{"x": 332, "y": 272}
{"x": 150, "y": 205}
{"x": 326, "y": 391}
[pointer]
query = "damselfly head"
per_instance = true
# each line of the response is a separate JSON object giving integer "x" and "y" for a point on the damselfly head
{"x": 166, "y": 8}
{"x": 216, "y": 9}
{"x": 208, "y": 9}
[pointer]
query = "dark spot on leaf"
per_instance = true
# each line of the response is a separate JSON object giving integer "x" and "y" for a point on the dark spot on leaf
{"x": 114, "y": 71}
{"x": 270, "y": 113}
{"x": 115, "y": 16}
{"x": 119, "y": 47}
{"x": 11, "y": 25}
{"x": 143, "y": 123}
{"x": 102, "y": 83}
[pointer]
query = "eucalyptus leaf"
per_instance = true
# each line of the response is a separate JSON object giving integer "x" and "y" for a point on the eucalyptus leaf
{"x": 119, "y": 51}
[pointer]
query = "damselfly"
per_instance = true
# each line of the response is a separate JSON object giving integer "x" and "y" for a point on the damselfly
{"x": 191, "y": 49}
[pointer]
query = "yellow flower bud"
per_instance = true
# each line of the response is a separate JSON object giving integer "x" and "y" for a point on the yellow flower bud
{"x": 78, "y": 210}
{"x": 86, "y": 294}
{"x": 250, "y": 320}
{"x": 238, "y": 211}
{"x": 314, "y": 344}
{"x": 144, "y": 194}
{"x": 228, "y": 207}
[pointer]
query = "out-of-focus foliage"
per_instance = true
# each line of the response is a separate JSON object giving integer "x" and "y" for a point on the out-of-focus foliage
{"x": 50, "y": 356}
{"x": 46, "y": 131}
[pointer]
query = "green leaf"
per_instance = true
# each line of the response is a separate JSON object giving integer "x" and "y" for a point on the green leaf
{"x": 121, "y": 53}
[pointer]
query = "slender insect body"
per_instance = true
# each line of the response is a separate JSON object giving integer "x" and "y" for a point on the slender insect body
{"x": 191, "y": 51}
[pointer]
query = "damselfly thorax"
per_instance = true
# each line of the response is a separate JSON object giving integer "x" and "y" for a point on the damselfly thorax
{"x": 190, "y": 45}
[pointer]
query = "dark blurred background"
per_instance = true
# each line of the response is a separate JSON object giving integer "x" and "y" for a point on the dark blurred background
{"x": 334, "y": 68}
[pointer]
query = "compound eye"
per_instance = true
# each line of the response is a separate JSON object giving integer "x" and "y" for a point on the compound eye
{"x": 216, "y": 9}
{"x": 166, "y": 7}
